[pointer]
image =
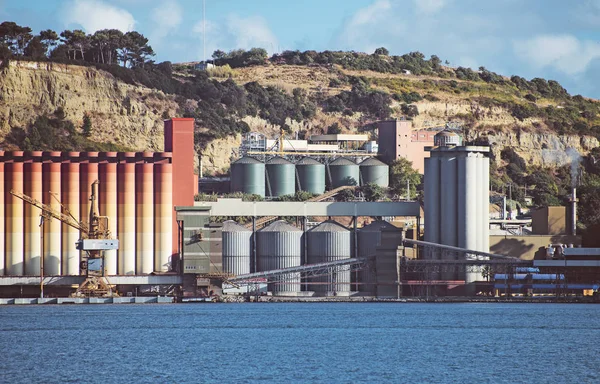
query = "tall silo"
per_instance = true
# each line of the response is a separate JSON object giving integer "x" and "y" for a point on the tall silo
{"x": 343, "y": 172}
{"x": 369, "y": 238}
{"x": 329, "y": 241}
{"x": 248, "y": 176}
{"x": 279, "y": 245}
{"x": 374, "y": 171}
{"x": 237, "y": 241}
{"x": 280, "y": 177}
{"x": 311, "y": 175}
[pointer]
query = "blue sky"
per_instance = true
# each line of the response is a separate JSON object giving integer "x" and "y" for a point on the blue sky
{"x": 553, "y": 39}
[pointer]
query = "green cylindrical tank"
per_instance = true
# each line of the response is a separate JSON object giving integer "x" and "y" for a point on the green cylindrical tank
{"x": 248, "y": 176}
{"x": 311, "y": 175}
{"x": 281, "y": 177}
{"x": 374, "y": 171}
{"x": 343, "y": 172}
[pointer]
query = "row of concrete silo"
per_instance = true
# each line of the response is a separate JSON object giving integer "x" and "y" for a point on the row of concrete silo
{"x": 281, "y": 245}
{"x": 135, "y": 192}
{"x": 278, "y": 176}
{"x": 457, "y": 203}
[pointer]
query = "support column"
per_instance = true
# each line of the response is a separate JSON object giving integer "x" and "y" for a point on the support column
{"x": 107, "y": 203}
{"x": 33, "y": 188}
{"x": 51, "y": 180}
{"x": 144, "y": 217}
{"x": 126, "y": 213}
{"x": 14, "y": 216}
{"x": 163, "y": 216}
{"x": 70, "y": 199}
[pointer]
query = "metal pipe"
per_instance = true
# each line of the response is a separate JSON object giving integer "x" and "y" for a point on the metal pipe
{"x": 574, "y": 212}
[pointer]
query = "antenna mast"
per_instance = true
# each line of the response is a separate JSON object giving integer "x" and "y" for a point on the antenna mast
{"x": 204, "y": 32}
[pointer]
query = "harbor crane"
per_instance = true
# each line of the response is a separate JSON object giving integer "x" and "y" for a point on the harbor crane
{"x": 95, "y": 238}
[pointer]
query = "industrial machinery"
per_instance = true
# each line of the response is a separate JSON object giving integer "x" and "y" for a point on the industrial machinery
{"x": 95, "y": 239}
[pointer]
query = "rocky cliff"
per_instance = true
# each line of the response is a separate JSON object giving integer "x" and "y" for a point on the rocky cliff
{"x": 132, "y": 115}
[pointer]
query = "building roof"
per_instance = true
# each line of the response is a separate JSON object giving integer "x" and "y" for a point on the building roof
{"x": 339, "y": 137}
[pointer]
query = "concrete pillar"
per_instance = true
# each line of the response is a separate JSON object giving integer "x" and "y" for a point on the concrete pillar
{"x": 107, "y": 190}
{"x": 51, "y": 180}
{"x": 144, "y": 216}
{"x": 126, "y": 213}
{"x": 33, "y": 189}
{"x": 163, "y": 216}
{"x": 70, "y": 198}
{"x": 14, "y": 216}
{"x": 448, "y": 209}
{"x": 2, "y": 217}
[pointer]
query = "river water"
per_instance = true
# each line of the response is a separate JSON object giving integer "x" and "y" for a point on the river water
{"x": 300, "y": 342}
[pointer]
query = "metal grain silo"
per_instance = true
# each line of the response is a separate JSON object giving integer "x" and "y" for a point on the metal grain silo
{"x": 343, "y": 172}
{"x": 311, "y": 175}
{"x": 280, "y": 177}
{"x": 279, "y": 245}
{"x": 329, "y": 241}
{"x": 248, "y": 176}
{"x": 236, "y": 248}
{"x": 375, "y": 171}
{"x": 369, "y": 238}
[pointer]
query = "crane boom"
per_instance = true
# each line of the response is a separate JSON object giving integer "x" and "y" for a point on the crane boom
{"x": 49, "y": 211}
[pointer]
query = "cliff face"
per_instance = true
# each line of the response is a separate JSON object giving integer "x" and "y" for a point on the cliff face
{"x": 120, "y": 113}
{"x": 132, "y": 115}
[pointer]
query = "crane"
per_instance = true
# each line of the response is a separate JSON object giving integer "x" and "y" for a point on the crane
{"x": 95, "y": 239}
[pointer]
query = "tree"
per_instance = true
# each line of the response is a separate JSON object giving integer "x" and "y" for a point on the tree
{"x": 401, "y": 174}
{"x": 49, "y": 38}
{"x": 373, "y": 192}
{"x": 334, "y": 129}
{"x": 382, "y": 51}
{"x": 87, "y": 125}
{"x": 15, "y": 37}
{"x": 134, "y": 49}
{"x": 35, "y": 49}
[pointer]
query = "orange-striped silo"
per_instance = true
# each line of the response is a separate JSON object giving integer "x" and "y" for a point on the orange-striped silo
{"x": 163, "y": 216}
{"x": 126, "y": 213}
{"x": 70, "y": 199}
{"x": 52, "y": 228}
{"x": 32, "y": 183}
{"x": 2, "y": 226}
{"x": 14, "y": 215}
{"x": 88, "y": 173}
{"x": 144, "y": 213}
{"x": 107, "y": 171}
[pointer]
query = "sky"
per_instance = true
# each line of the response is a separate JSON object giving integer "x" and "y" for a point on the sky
{"x": 552, "y": 39}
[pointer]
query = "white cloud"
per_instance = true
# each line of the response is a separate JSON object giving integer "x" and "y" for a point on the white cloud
{"x": 93, "y": 15}
{"x": 429, "y": 6}
{"x": 370, "y": 14}
{"x": 562, "y": 52}
{"x": 166, "y": 17}
{"x": 250, "y": 32}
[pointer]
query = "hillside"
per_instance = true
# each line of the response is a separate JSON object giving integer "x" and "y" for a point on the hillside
{"x": 529, "y": 124}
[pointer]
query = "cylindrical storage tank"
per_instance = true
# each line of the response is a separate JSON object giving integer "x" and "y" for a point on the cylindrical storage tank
{"x": 33, "y": 189}
{"x": 236, "y": 242}
{"x": 343, "y": 172}
{"x": 144, "y": 218}
{"x": 369, "y": 238}
{"x": 329, "y": 241}
{"x": 279, "y": 245}
{"x": 448, "y": 208}
{"x": 311, "y": 176}
{"x": 375, "y": 172}
{"x": 467, "y": 184}
{"x": 126, "y": 218}
{"x": 70, "y": 198}
{"x": 14, "y": 219}
{"x": 248, "y": 176}
{"x": 107, "y": 206}
{"x": 485, "y": 205}
{"x": 163, "y": 216}
{"x": 280, "y": 177}
{"x": 432, "y": 204}
{"x": 2, "y": 217}
{"x": 51, "y": 180}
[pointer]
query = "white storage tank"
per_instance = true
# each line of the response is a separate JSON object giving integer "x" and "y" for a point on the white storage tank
{"x": 237, "y": 241}
{"x": 279, "y": 245}
{"x": 329, "y": 241}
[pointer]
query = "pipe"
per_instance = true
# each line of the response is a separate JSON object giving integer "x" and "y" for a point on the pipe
{"x": 574, "y": 212}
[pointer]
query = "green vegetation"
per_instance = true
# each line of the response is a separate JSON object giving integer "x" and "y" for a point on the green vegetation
{"x": 403, "y": 175}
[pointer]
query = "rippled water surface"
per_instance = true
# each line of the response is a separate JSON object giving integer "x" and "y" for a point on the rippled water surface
{"x": 289, "y": 343}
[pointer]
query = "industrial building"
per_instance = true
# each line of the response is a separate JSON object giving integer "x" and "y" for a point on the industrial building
{"x": 137, "y": 193}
